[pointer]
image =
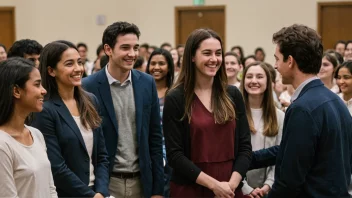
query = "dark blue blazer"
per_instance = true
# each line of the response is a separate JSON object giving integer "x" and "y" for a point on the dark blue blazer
{"x": 149, "y": 136}
{"x": 68, "y": 154}
{"x": 314, "y": 157}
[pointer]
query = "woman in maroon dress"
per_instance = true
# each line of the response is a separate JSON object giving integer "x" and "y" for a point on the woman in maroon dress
{"x": 205, "y": 125}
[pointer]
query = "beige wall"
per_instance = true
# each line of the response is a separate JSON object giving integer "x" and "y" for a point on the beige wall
{"x": 249, "y": 23}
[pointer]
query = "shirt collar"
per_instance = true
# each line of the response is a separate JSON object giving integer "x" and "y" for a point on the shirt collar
{"x": 300, "y": 88}
{"x": 112, "y": 80}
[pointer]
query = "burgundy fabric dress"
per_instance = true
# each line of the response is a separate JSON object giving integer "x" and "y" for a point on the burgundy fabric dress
{"x": 212, "y": 150}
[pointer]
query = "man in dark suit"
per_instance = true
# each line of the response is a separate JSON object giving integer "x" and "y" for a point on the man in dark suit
{"x": 131, "y": 118}
{"x": 314, "y": 157}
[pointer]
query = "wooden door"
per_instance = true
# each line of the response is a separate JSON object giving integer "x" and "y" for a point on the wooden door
{"x": 334, "y": 22}
{"x": 7, "y": 26}
{"x": 188, "y": 19}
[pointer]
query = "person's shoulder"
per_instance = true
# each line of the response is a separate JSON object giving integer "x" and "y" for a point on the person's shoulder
{"x": 176, "y": 92}
{"x": 143, "y": 75}
{"x": 92, "y": 79}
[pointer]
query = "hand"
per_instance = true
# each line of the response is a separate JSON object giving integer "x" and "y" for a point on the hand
{"x": 157, "y": 196}
{"x": 257, "y": 193}
{"x": 265, "y": 189}
{"x": 98, "y": 195}
{"x": 285, "y": 103}
{"x": 222, "y": 189}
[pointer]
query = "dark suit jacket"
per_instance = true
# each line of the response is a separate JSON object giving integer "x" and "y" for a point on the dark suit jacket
{"x": 149, "y": 136}
{"x": 68, "y": 154}
{"x": 314, "y": 157}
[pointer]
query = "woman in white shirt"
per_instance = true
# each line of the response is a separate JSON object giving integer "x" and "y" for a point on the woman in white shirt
{"x": 24, "y": 165}
{"x": 265, "y": 122}
{"x": 233, "y": 67}
{"x": 326, "y": 73}
{"x": 343, "y": 76}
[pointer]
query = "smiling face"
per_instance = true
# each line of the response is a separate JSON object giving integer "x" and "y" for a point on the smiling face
{"x": 158, "y": 67}
{"x": 344, "y": 80}
{"x": 208, "y": 58}
{"x": 348, "y": 52}
{"x": 69, "y": 70}
{"x": 31, "y": 97}
{"x": 255, "y": 82}
{"x": 326, "y": 69}
{"x": 125, "y": 52}
{"x": 232, "y": 66}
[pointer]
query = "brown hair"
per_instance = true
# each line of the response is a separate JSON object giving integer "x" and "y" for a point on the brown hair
{"x": 50, "y": 56}
{"x": 222, "y": 105}
{"x": 271, "y": 127}
{"x": 303, "y": 44}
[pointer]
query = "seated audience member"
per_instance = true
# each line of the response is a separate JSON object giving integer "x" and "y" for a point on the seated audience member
{"x": 101, "y": 63}
{"x": 233, "y": 66}
{"x": 340, "y": 47}
{"x": 140, "y": 64}
{"x": 326, "y": 73}
{"x": 26, "y": 48}
{"x": 24, "y": 165}
{"x": 265, "y": 123}
{"x": 3, "y": 53}
{"x": 343, "y": 76}
{"x": 348, "y": 51}
{"x": 166, "y": 46}
{"x": 83, "y": 52}
{"x": 338, "y": 56}
{"x": 248, "y": 60}
{"x": 71, "y": 125}
{"x": 259, "y": 54}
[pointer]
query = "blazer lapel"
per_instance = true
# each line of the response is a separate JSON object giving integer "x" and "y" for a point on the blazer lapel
{"x": 105, "y": 94}
{"x": 138, "y": 100}
{"x": 67, "y": 117}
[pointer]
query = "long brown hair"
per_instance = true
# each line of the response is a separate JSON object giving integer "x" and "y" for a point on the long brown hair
{"x": 271, "y": 127}
{"x": 50, "y": 56}
{"x": 223, "y": 107}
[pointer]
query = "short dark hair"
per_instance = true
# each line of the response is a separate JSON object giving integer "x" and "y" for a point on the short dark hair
{"x": 259, "y": 49}
{"x": 13, "y": 72}
{"x": 24, "y": 46}
{"x": 348, "y": 42}
{"x": 118, "y": 28}
{"x": 340, "y": 42}
{"x": 104, "y": 60}
{"x": 82, "y": 45}
{"x": 166, "y": 44}
{"x": 3, "y": 46}
{"x": 303, "y": 44}
{"x": 139, "y": 62}
{"x": 145, "y": 45}
{"x": 170, "y": 65}
{"x": 153, "y": 47}
{"x": 180, "y": 45}
{"x": 248, "y": 57}
{"x": 99, "y": 49}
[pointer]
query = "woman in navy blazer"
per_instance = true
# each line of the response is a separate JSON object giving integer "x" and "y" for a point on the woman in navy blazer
{"x": 71, "y": 125}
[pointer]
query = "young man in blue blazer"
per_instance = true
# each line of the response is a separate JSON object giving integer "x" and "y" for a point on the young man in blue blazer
{"x": 314, "y": 157}
{"x": 131, "y": 118}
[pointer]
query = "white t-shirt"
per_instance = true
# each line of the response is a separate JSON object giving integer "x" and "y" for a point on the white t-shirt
{"x": 259, "y": 177}
{"x": 25, "y": 170}
{"x": 89, "y": 141}
{"x": 348, "y": 103}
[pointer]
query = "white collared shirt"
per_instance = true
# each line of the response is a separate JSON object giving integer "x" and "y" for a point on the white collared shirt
{"x": 300, "y": 88}
{"x": 112, "y": 79}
